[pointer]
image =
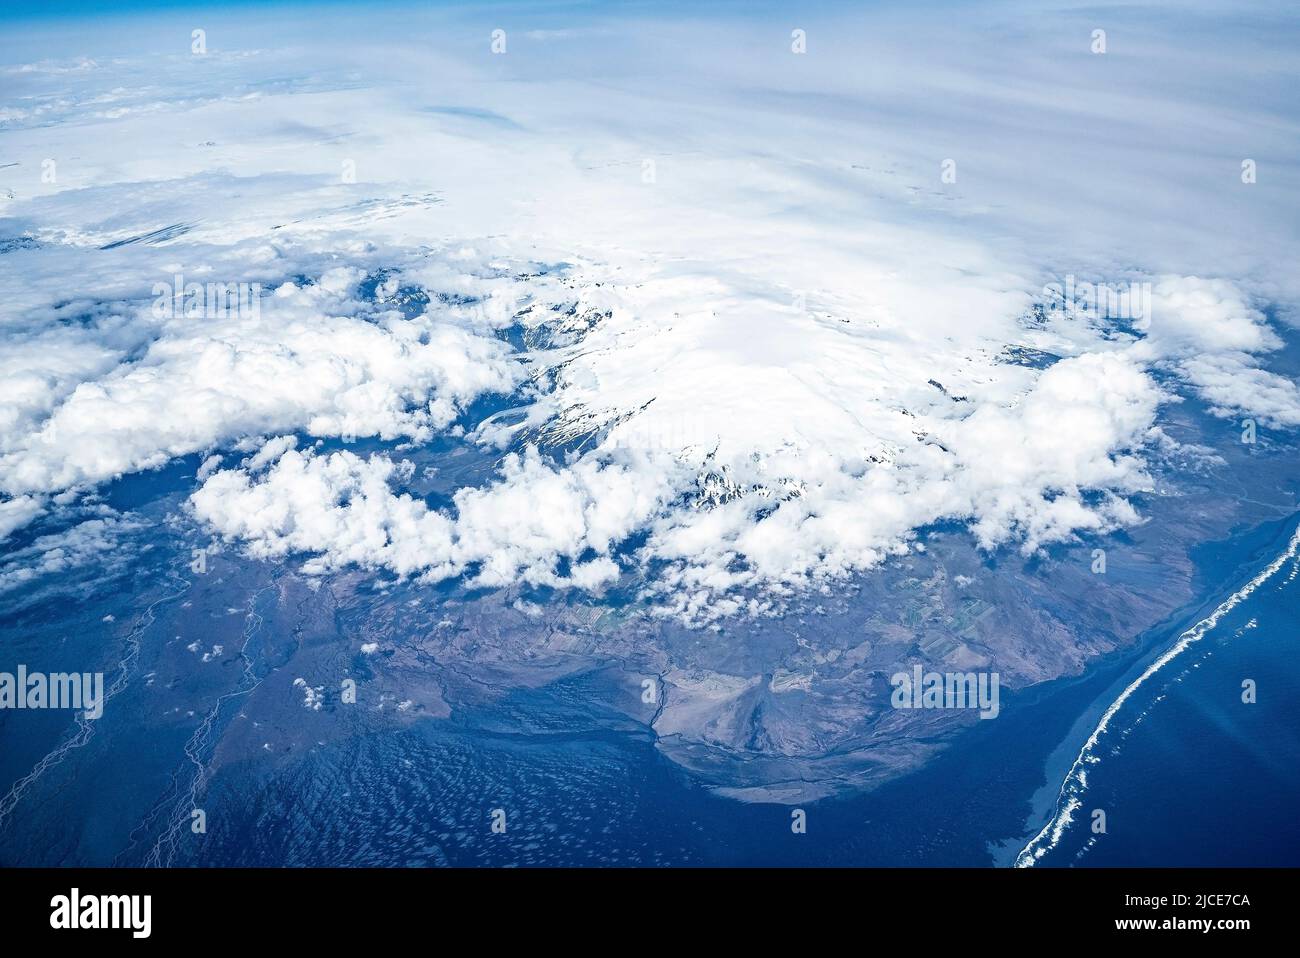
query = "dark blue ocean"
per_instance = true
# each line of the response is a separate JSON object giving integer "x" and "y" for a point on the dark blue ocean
{"x": 1199, "y": 766}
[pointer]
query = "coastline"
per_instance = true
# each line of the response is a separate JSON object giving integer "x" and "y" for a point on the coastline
{"x": 1268, "y": 547}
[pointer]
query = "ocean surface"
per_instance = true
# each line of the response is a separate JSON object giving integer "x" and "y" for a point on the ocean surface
{"x": 1192, "y": 762}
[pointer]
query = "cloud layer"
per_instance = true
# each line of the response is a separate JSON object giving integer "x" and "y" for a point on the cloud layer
{"x": 729, "y": 339}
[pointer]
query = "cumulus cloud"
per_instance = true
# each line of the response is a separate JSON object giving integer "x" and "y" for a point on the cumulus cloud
{"x": 304, "y": 361}
{"x": 89, "y": 543}
{"x": 1234, "y": 385}
{"x": 1017, "y": 473}
{"x": 749, "y": 343}
{"x": 342, "y": 507}
{"x": 17, "y": 512}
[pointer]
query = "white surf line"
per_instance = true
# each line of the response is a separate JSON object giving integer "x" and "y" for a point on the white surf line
{"x": 1076, "y": 780}
{"x": 85, "y": 728}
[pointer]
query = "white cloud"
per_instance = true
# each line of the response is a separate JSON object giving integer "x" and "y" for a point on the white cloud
{"x": 342, "y": 507}
{"x": 90, "y": 542}
{"x": 1018, "y": 473}
{"x": 303, "y": 363}
{"x": 1234, "y": 386}
{"x": 17, "y": 512}
{"x": 207, "y": 467}
{"x": 1209, "y": 334}
{"x": 777, "y": 356}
